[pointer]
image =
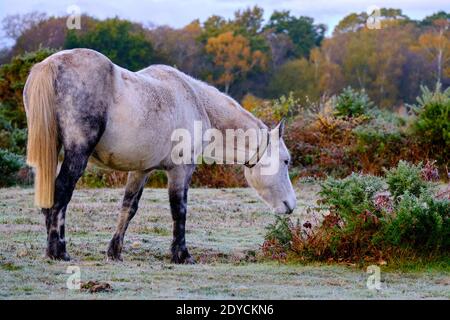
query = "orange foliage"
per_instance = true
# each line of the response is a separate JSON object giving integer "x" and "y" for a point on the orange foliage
{"x": 325, "y": 144}
{"x": 232, "y": 53}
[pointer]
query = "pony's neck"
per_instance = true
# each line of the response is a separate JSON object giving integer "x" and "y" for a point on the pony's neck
{"x": 228, "y": 114}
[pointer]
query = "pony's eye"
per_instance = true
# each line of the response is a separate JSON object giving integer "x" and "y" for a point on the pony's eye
{"x": 286, "y": 162}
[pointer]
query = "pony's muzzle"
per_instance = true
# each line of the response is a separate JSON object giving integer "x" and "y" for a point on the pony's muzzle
{"x": 289, "y": 208}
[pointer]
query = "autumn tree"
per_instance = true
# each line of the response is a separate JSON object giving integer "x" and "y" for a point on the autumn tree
{"x": 296, "y": 76}
{"x": 280, "y": 47}
{"x": 351, "y": 23}
{"x": 124, "y": 42}
{"x": 180, "y": 47}
{"x": 14, "y": 25}
{"x": 358, "y": 21}
{"x": 34, "y": 31}
{"x": 328, "y": 74}
{"x": 379, "y": 61}
{"x": 248, "y": 22}
{"x": 233, "y": 58}
{"x": 435, "y": 45}
{"x": 50, "y": 33}
{"x": 213, "y": 27}
{"x": 304, "y": 34}
{"x": 429, "y": 20}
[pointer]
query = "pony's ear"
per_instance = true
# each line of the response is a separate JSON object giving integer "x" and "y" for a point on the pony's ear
{"x": 280, "y": 127}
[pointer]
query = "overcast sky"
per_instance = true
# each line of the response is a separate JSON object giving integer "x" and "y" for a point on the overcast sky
{"x": 178, "y": 13}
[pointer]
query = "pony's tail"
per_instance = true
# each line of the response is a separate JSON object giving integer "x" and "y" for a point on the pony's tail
{"x": 42, "y": 131}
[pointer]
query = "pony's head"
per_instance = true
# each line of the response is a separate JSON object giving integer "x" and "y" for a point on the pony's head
{"x": 270, "y": 177}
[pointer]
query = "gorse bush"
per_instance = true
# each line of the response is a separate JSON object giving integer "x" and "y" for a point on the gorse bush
{"x": 382, "y": 141}
{"x": 12, "y": 138}
{"x": 351, "y": 195}
{"x": 272, "y": 111}
{"x": 10, "y": 163}
{"x": 406, "y": 178}
{"x": 280, "y": 230}
{"x": 351, "y": 103}
{"x": 432, "y": 125}
{"x": 370, "y": 219}
{"x": 420, "y": 222}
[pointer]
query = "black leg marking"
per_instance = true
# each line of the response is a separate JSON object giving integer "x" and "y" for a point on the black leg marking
{"x": 179, "y": 179}
{"x": 133, "y": 192}
{"x": 71, "y": 170}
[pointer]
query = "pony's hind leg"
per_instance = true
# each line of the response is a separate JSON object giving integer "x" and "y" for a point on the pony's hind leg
{"x": 133, "y": 192}
{"x": 71, "y": 170}
{"x": 77, "y": 149}
{"x": 179, "y": 179}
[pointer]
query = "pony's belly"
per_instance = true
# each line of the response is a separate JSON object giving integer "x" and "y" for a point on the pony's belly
{"x": 125, "y": 159}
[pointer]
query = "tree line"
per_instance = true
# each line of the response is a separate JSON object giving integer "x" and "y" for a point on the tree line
{"x": 247, "y": 55}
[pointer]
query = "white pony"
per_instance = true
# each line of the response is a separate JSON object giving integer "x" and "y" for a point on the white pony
{"x": 80, "y": 101}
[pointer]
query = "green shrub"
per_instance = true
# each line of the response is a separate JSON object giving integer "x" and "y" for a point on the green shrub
{"x": 96, "y": 177}
{"x": 13, "y": 133}
{"x": 10, "y": 163}
{"x": 272, "y": 111}
{"x": 279, "y": 231}
{"x": 365, "y": 223}
{"x": 351, "y": 195}
{"x": 12, "y": 138}
{"x": 383, "y": 128}
{"x": 381, "y": 142}
{"x": 420, "y": 222}
{"x": 351, "y": 103}
{"x": 406, "y": 178}
{"x": 432, "y": 124}
{"x": 12, "y": 80}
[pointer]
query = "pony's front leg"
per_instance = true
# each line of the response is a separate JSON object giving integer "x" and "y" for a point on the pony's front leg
{"x": 179, "y": 179}
{"x": 71, "y": 170}
{"x": 133, "y": 192}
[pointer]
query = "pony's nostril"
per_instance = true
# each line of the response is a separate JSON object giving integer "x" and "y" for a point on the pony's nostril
{"x": 289, "y": 209}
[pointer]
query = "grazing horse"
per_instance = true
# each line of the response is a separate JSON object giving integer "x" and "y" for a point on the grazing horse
{"x": 79, "y": 101}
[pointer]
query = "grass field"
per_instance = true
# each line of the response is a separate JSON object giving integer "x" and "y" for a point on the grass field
{"x": 225, "y": 229}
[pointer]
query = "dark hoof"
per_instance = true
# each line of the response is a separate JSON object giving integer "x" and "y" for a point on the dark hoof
{"x": 189, "y": 260}
{"x": 64, "y": 256}
{"x": 182, "y": 257}
{"x": 115, "y": 249}
{"x": 115, "y": 257}
{"x": 56, "y": 250}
